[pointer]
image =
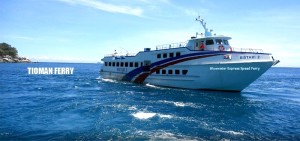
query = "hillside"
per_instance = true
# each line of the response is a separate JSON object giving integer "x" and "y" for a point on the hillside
{"x": 9, "y": 54}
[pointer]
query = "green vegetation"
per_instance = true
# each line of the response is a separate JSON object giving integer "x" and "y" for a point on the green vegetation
{"x": 6, "y": 49}
{"x": 9, "y": 54}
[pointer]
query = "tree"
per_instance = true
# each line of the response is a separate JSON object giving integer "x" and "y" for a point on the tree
{"x": 6, "y": 49}
{"x": 1, "y": 52}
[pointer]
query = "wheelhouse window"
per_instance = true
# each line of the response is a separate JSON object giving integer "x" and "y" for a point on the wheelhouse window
{"x": 219, "y": 41}
{"x": 209, "y": 42}
{"x": 226, "y": 42}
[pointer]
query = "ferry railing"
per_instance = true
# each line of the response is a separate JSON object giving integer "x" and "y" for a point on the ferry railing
{"x": 247, "y": 50}
{"x": 172, "y": 45}
{"x": 119, "y": 55}
{"x": 236, "y": 49}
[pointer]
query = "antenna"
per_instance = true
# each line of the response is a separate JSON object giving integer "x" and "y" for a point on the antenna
{"x": 125, "y": 50}
{"x": 207, "y": 33}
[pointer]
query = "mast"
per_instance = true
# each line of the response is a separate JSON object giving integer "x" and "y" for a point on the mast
{"x": 207, "y": 32}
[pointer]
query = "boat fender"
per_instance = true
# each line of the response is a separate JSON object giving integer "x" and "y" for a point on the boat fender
{"x": 221, "y": 48}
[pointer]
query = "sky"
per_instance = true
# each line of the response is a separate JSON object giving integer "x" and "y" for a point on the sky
{"x": 86, "y": 30}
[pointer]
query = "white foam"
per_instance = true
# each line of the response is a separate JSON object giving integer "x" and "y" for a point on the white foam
{"x": 165, "y": 135}
{"x": 152, "y": 86}
{"x": 156, "y": 87}
{"x": 165, "y": 116}
{"x": 143, "y": 115}
{"x": 108, "y": 80}
{"x": 132, "y": 108}
{"x": 180, "y": 104}
{"x": 229, "y": 132}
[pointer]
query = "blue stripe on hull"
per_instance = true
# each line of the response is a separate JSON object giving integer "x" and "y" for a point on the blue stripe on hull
{"x": 129, "y": 76}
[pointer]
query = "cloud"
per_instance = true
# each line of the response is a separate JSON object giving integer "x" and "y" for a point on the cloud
{"x": 65, "y": 59}
{"x": 24, "y": 38}
{"x": 107, "y": 7}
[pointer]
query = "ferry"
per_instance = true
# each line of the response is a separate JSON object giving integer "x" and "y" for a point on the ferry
{"x": 206, "y": 61}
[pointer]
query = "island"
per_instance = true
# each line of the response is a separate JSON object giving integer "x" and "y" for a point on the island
{"x": 9, "y": 54}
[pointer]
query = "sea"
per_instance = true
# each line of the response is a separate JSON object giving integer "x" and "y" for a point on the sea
{"x": 84, "y": 106}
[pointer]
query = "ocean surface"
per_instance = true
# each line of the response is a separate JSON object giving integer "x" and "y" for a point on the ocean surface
{"x": 83, "y": 106}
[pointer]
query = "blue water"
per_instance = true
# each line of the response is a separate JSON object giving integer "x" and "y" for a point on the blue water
{"x": 83, "y": 106}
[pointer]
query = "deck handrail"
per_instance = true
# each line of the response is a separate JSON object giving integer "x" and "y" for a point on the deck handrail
{"x": 119, "y": 55}
{"x": 247, "y": 50}
{"x": 172, "y": 45}
{"x": 183, "y": 44}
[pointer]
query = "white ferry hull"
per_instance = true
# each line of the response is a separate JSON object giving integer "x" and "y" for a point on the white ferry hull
{"x": 225, "y": 77}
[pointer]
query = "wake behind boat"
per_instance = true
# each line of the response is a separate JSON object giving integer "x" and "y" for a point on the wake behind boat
{"x": 205, "y": 62}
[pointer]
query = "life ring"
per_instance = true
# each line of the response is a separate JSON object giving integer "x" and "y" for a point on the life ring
{"x": 221, "y": 48}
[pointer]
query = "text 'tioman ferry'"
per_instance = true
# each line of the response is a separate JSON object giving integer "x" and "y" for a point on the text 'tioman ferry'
{"x": 206, "y": 62}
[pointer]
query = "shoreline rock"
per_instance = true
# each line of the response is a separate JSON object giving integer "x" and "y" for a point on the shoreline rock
{"x": 10, "y": 59}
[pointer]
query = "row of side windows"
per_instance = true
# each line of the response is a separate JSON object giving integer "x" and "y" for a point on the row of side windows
{"x": 177, "y": 72}
{"x": 165, "y": 55}
{"x": 123, "y": 64}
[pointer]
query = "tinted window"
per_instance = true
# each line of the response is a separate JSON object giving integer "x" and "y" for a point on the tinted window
{"x": 126, "y": 64}
{"x": 109, "y": 63}
{"x": 122, "y": 64}
{"x": 136, "y": 64}
{"x": 177, "y": 54}
{"x": 219, "y": 41}
{"x": 209, "y": 42}
{"x": 177, "y": 72}
{"x": 158, "y": 55}
{"x": 170, "y": 72}
{"x": 118, "y": 64}
{"x": 131, "y": 64}
{"x": 165, "y": 55}
{"x": 113, "y": 64}
{"x": 184, "y": 72}
{"x": 163, "y": 72}
{"x": 225, "y": 42}
{"x": 105, "y": 63}
{"x": 171, "y": 55}
{"x": 157, "y": 72}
